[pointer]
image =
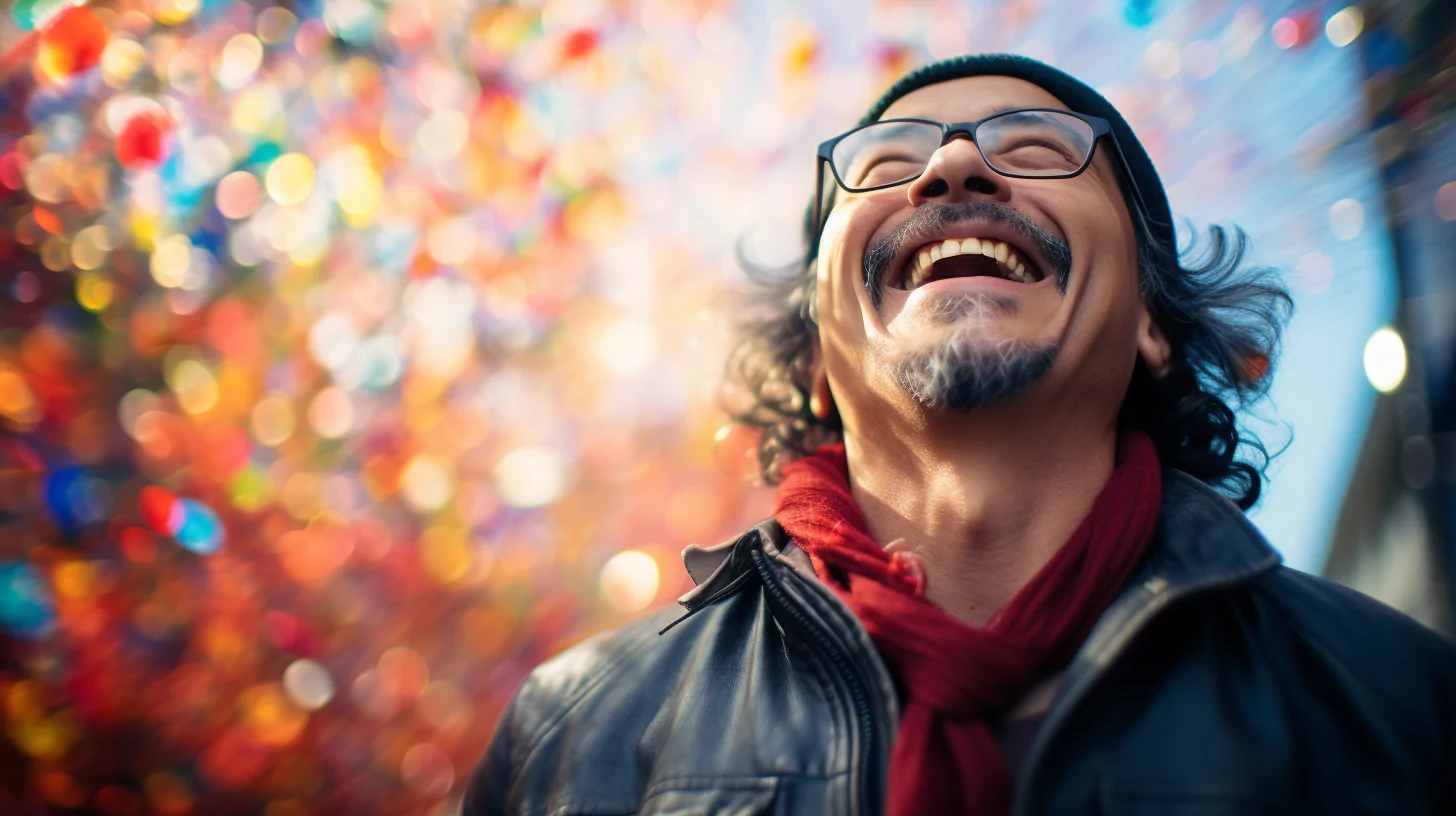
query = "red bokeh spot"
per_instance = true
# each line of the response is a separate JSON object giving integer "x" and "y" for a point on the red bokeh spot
{"x": 73, "y": 42}
{"x": 138, "y": 545}
{"x": 235, "y": 760}
{"x": 12, "y": 169}
{"x": 578, "y": 44}
{"x": 142, "y": 140}
{"x": 1298, "y": 29}
{"x": 156, "y": 505}
{"x": 289, "y": 634}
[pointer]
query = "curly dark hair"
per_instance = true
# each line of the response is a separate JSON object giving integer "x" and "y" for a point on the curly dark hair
{"x": 1223, "y": 319}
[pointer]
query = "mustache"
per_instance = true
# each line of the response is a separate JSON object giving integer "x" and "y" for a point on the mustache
{"x": 934, "y": 219}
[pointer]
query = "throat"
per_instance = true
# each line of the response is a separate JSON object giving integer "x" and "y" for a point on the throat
{"x": 982, "y": 515}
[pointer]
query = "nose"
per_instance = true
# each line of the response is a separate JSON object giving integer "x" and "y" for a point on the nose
{"x": 956, "y": 173}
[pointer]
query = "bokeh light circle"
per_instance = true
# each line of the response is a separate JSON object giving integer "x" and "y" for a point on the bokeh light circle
{"x": 290, "y": 179}
{"x": 427, "y": 483}
{"x": 530, "y": 477}
{"x": 1344, "y": 26}
{"x": 629, "y": 580}
{"x": 331, "y": 414}
{"x": 308, "y": 684}
{"x": 238, "y": 194}
{"x": 1385, "y": 360}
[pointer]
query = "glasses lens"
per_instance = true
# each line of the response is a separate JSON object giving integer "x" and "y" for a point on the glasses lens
{"x": 1035, "y": 143}
{"x": 885, "y": 153}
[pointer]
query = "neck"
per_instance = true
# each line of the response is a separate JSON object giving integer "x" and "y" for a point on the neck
{"x": 984, "y": 499}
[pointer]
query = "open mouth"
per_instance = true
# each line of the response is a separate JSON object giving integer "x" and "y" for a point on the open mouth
{"x": 968, "y": 258}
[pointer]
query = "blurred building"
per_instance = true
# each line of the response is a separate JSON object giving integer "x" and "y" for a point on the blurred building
{"x": 1396, "y": 535}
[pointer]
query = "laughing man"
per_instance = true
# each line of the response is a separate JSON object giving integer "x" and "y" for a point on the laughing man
{"x": 1008, "y": 570}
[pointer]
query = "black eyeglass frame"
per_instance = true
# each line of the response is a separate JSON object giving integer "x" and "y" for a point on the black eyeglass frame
{"x": 948, "y": 131}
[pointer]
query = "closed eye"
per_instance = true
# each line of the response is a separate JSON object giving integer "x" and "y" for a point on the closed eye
{"x": 1058, "y": 149}
{"x": 885, "y": 169}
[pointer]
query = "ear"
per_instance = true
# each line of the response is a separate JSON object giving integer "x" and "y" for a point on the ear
{"x": 1153, "y": 345}
{"x": 821, "y": 399}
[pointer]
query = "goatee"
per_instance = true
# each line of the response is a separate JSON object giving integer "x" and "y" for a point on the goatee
{"x": 968, "y": 367}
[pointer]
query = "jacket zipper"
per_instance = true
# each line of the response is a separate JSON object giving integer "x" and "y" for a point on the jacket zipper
{"x": 841, "y": 664}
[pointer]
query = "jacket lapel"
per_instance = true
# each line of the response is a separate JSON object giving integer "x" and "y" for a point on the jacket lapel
{"x": 1202, "y": 541}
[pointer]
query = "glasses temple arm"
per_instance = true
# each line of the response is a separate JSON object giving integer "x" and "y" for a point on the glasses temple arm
{"x": 1137, "y": 193}
{"x": 818, "y": 195}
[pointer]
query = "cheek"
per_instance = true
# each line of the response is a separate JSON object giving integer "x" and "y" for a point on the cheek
{"x": 855, "y": 219}
{"x": 852, "y": 225}
{"x": 835, "y": 269}
{"x": 1117, "y": 268}
{"x": 1103, "y": 300}
{"x": 847, "y": 320}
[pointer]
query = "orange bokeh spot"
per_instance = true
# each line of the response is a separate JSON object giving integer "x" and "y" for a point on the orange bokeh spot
{"x": 72, "y": 43}
{"x": 271, "y": 717}
{"x": 314, "y": 553}
{"x": 403, "y": 673}
{"x": 48, "y": 221}
{"x": 227, "y": 451}
{"x": 231, "y": 328}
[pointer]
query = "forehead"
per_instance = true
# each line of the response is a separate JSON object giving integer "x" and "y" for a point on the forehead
{"x": 969, "y": 99}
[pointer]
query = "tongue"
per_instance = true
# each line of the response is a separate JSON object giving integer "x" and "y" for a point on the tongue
{"x": 964, "y": 266}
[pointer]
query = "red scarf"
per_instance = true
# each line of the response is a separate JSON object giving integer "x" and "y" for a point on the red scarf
{"x": 958, "y": 677}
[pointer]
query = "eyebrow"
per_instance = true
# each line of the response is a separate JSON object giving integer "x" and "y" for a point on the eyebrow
{"x": 1008, "y": 108}
{"x": 993, "y": 112}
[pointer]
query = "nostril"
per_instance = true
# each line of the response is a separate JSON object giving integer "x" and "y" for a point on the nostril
{"x": 936, "y": 187}
{"x": 979, "y": 184}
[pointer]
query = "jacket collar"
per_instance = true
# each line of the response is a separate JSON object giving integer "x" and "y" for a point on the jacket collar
{"x": 1202, "y": 541}
{"x": 1203, "y": 538}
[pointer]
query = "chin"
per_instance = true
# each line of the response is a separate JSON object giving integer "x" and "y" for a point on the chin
{"x": 972, "y": 367}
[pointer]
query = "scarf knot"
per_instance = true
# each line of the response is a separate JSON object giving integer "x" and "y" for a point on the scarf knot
{"x": 958, "y": 678}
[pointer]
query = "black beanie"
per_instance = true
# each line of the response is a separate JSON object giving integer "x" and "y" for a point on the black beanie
{"x": 1076, "y": 95}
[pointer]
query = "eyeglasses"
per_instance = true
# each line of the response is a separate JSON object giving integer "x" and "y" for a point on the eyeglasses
{"x": 1041, "y": 143}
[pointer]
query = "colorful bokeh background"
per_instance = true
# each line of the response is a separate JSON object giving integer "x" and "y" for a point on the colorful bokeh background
{"x": 355, "y": 356}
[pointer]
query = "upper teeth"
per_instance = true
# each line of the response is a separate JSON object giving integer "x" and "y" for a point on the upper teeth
{"x": 1004, "y": 255}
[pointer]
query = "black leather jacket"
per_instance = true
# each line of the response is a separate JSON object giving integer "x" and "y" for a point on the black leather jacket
{"x": 1219, "y": 682}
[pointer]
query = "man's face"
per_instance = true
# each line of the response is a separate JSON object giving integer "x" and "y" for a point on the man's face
{"x": 1053, "y": 322}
